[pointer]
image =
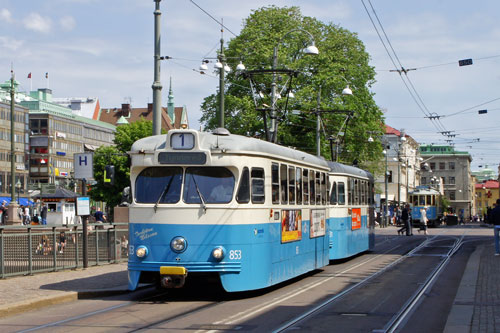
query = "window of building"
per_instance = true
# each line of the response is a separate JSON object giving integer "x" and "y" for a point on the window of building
{"x": 389, "y": 176}
{"x": 423, "y": 180}
{"x": 451, "y": 180}
{"x": 432, "y": 165}
{"x": 451, "y": 165}
{"x": 442, "y": 165}
{"x": 452, "y": 195}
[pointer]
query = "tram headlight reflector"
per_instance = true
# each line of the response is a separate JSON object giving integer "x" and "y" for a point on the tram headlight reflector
{"x": 141, "y": 251}
{"x": 178, "y": 244}
{"x": 218, "y": 253}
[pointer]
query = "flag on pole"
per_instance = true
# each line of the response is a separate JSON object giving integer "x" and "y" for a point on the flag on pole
{"x": 29, "y": 75}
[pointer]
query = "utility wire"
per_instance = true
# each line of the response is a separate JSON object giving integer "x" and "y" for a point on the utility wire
{"x": 213, "y": 18}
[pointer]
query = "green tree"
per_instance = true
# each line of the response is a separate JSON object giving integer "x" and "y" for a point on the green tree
{"x": 342, "y": 59}
{"x": 116, "y": 155}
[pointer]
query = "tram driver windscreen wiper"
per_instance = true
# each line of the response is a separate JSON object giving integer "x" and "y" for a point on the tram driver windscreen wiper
{"x": 165, "y": 191}
{"x": 199, "y": 194}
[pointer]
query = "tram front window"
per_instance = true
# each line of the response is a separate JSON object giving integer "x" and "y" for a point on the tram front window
{"x": 158, "y": 185}
{"x": 213, "y": 184}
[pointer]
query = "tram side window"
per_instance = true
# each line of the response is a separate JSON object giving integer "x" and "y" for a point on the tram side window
{"x": 243, "y": 195}
{"x": 305, "y": 180}
{"x": 363, "y": 191}
{"x": 159, "y": 184}
{"x": 275, "y": 183}
{"x": 258, "y": 193}
{"x": 318, "y": 188}
{"x": 299, "y": 185}
{"x": 284, "y": 183}
{"x": 429, "y": 200}
{"x": 341, "y": 193}
{"x": 414, "y": 200}
{"x": 350, "y": 190}
{"x": 421, "y": 200}
{"x": 356, "y": 192}
{"x": 312, "y": 188}
{"x": 323, "y": 188}
{"x": 333, "y": 194}
{"x": 291, "y": 185}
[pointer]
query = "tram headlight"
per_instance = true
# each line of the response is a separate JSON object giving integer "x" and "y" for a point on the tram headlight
{"x": 218, "y": 253}
{"x": 141, "y": 251}
{"x": 178, "y": 244}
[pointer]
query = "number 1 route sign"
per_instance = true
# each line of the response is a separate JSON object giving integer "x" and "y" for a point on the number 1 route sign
{"x": 84, "y": 166}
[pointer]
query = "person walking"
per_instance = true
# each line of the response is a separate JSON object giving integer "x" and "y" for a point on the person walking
{"x": 494, "y": 218}
{"x": 423, "y": 220}
{"x": 404, "y": 219}
{"x": 405, "y": 216}
{"x": 43, "y": 213}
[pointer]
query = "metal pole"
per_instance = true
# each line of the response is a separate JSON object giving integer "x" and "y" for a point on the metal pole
{"x": 273, "y": 97}
{"x": 85, "y": 232}
{"x": 386, "y": 216}
{"x": 12, "y": 142}
{"x": 157, "y": 84}
{"x": 399, "y": 180}
{"x": 222, "y": 60}
{"x": 318, "y": 124}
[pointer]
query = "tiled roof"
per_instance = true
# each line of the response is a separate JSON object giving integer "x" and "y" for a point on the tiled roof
{"x": 112, "y": 116}
{"x": 489, "y": 184}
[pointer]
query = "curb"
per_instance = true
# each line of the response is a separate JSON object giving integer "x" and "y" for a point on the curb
{"x": 460, "y": 317}
{"x": 69, "y": 296}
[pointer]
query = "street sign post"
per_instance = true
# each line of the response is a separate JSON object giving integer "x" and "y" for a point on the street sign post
{"x": 84, "y": 166}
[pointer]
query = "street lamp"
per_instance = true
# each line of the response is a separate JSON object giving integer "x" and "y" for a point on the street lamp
{"x": 18, "y": 188}
{"x": 311, "y": 50}
{"x": 401, "y": 140}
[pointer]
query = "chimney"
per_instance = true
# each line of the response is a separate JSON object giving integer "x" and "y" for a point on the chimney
{"x": 125, "y": 110}
{"x": 150, "y": 107}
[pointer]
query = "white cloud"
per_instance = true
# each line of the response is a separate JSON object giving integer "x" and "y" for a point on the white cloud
{"x": 37, "y": 23}
{"x": 68, "y": 23}
{"x": 5, "y": 15}
{"x": 10, "y": 43}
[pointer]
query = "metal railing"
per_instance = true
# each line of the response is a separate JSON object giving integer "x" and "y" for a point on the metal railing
{"x": 26, "y": 250}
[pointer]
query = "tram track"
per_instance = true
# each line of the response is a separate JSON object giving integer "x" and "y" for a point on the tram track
{"x": 399, "y": 318}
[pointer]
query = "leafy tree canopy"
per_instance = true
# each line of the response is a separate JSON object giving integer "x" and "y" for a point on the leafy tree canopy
{"x": 125, "y": 136}
{"x": 342, "y": 60}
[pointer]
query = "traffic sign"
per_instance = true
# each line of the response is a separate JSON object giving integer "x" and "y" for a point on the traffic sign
{"x": 465, "y": 62}
{"x": 84, "y": 166}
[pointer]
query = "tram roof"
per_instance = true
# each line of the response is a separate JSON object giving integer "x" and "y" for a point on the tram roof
{"x": 424, "y": 191}
{"x": 336, "y": 167}
{"x": 232, "y": 142}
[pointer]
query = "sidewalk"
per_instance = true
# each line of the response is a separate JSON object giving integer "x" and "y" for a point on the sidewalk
{"x": 24, "y": 293}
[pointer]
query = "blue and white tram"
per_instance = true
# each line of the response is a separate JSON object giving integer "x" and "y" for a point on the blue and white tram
{"x": 351, "y": 212}
{"x": 226, "y": 205}
{"x": 428, "y": 198}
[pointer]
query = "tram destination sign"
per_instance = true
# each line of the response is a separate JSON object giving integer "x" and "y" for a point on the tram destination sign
{"x": 190, "y": 158}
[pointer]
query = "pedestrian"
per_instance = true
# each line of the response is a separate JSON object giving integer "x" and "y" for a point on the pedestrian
{"x": 62, "y": 242}
{"x": 99, "y": 216}
{"x": 405, "y": 217}
{"x": 26, "y": 215}
{"x": 423, "y": 220}
{"x": 3, "y": 212}
{"x": 43, "y": 213}
{"x": 494, "y": 219}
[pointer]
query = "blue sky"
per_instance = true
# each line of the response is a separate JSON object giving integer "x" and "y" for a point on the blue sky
{"x": 104, "y": 49}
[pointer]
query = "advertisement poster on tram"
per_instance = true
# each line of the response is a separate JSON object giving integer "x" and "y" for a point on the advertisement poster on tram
{"x": 318, "y": 223}
{"x": 291, "y": 225}
{"x": 356, "y": 218}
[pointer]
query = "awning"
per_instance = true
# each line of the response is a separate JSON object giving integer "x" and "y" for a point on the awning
{"x": 90, "y": 147}
{"x": 22, "y": 201}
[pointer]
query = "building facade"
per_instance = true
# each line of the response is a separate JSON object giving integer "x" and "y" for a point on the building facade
{"x": 53, "y": 134}
{"x": 486, "y": 195}
{"x": 443, "y": 164}
{"x": 402, "y": 161}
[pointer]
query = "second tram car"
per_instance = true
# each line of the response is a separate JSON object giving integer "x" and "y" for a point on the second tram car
{"x": 249, "y": 212}
{"x": 426, "y": 197}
